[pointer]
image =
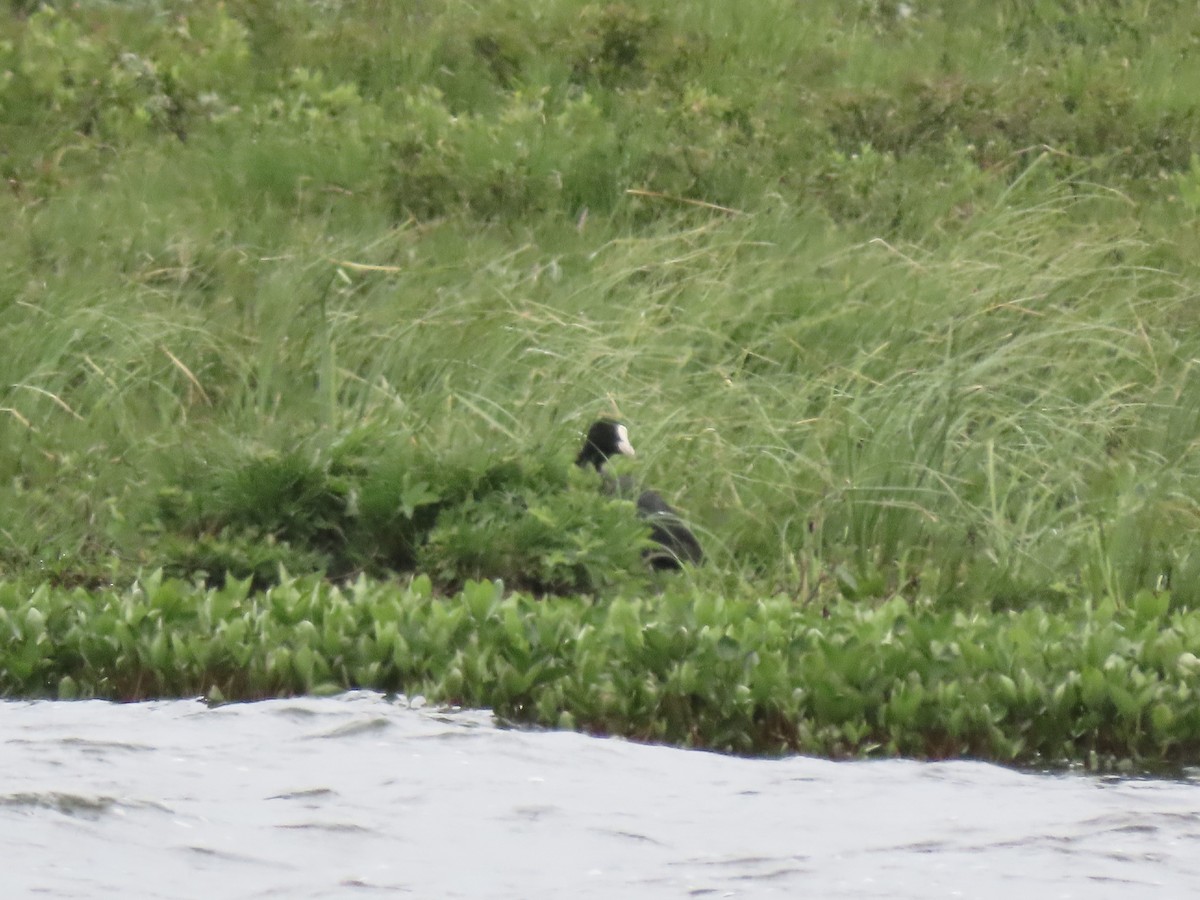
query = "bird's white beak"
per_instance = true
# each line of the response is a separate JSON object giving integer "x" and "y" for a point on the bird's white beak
{"x": 623, "y": 445}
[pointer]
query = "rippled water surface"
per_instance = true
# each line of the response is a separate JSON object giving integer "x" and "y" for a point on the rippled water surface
{"x": 359, "y": 796}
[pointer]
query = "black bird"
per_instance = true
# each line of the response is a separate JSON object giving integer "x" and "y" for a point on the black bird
{"x": 607, "y": 438}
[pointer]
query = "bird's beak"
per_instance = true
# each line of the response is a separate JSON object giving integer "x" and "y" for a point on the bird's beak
{"x": 623, "y": 445}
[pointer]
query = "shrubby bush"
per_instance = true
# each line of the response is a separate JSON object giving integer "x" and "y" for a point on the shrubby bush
{"x": 347, "y": 511}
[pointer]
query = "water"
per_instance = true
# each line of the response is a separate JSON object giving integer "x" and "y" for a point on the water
{"x": 361, "y": 797}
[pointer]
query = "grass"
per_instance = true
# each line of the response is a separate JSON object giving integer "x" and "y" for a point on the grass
{"x": 897, "y": 299}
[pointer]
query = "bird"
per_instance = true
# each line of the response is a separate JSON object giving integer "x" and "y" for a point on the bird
{"x": 607, "y": 438}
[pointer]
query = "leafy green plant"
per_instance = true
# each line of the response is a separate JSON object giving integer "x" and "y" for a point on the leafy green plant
{"x": 567, "y": 542}
{"x": 360, "y": 506}
{"x": 1098, "y": 685}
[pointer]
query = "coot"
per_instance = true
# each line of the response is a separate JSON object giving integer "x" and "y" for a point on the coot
{"x": 607, "y": 438}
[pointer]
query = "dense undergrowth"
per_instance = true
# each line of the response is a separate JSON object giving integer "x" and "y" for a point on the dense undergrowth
{"x": 898, "y": 301}
{"x": 1108, "y": 686}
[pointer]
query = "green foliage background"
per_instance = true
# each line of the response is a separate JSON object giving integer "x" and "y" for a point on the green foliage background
{"x": 898, "y": 299}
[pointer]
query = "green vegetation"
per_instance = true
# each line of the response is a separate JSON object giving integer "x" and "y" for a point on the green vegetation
{"x": 898, "y": 300}
{"x": 1105, "y": 685}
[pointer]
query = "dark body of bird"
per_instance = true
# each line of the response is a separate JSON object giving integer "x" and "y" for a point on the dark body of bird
{"x": 676, "y": 543}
